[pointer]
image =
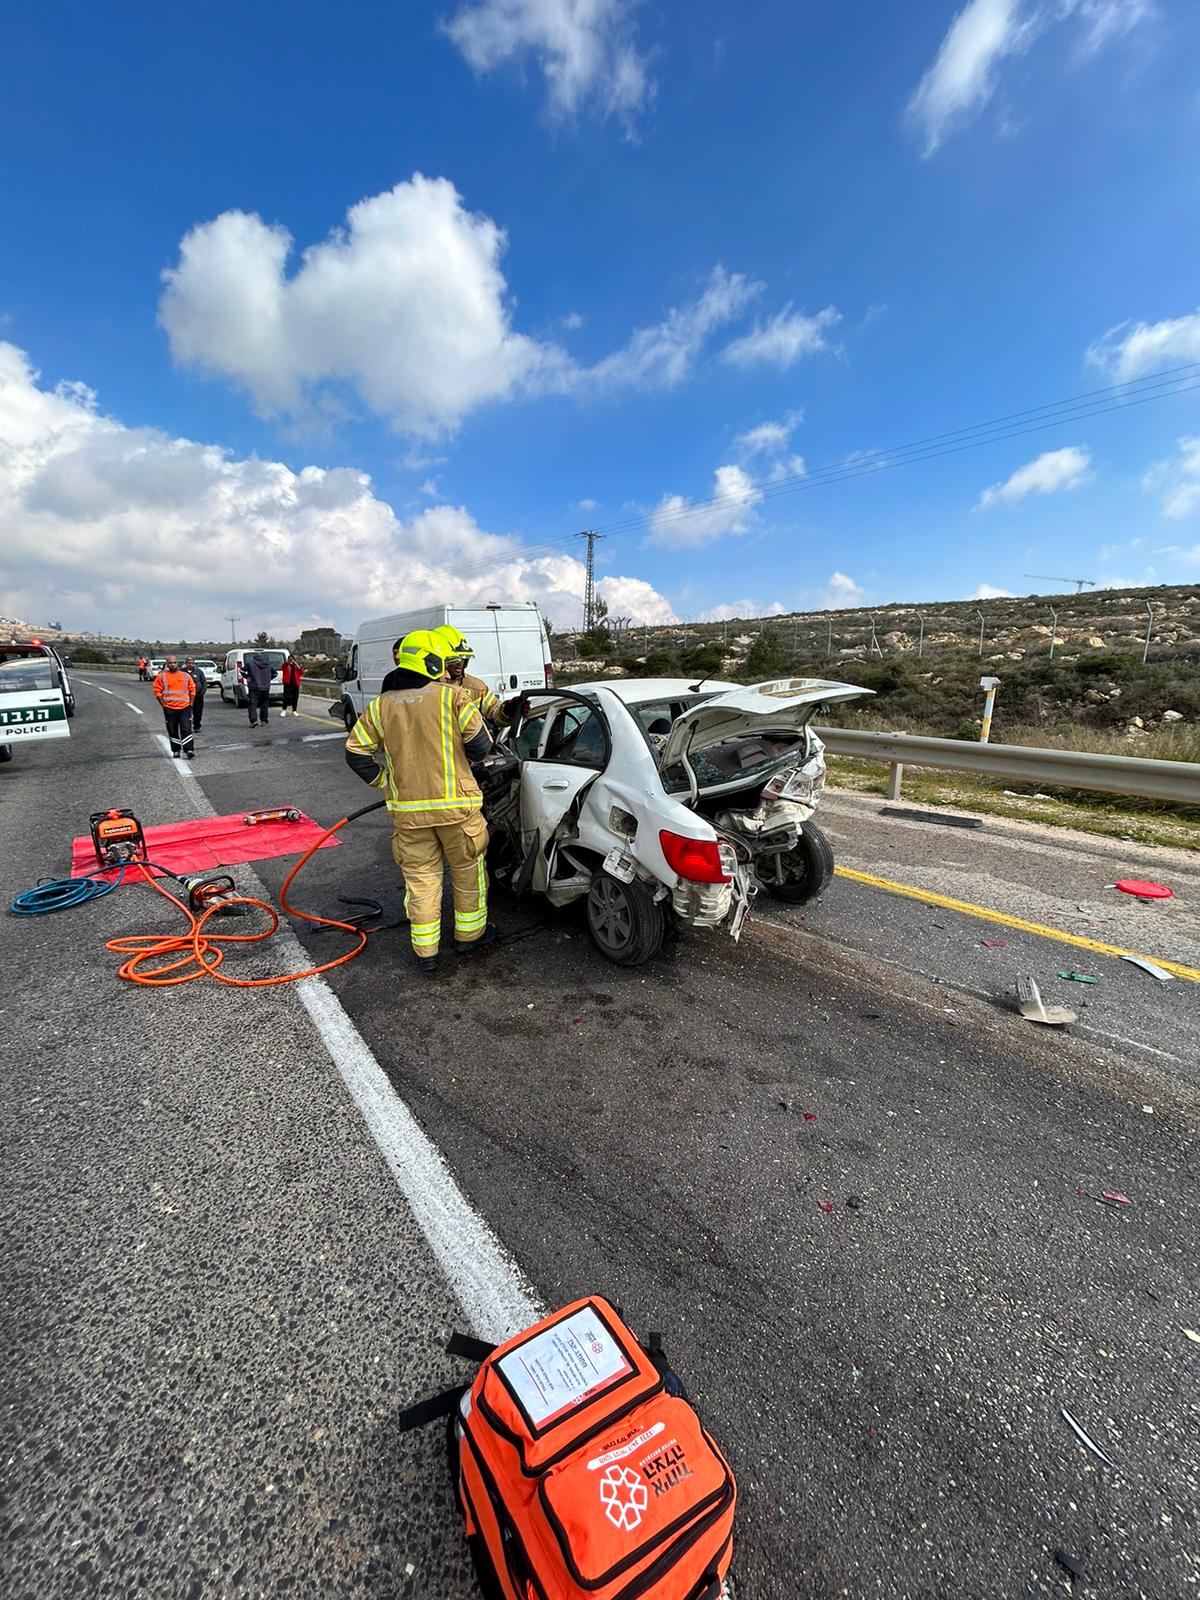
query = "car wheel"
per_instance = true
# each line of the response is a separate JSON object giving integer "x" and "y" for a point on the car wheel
{"x": 800, "y": 874}
{"x": 349, "y": 715}
{"x": 5, "y": 752}
{"x": 70, "y": 705}
{"x": 625, "y": 921}
{"x": 224, "y": 696}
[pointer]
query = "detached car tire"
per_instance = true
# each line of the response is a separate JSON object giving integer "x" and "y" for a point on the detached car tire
{"x": 806, "y": 869}
{"x": 625, "y": 921}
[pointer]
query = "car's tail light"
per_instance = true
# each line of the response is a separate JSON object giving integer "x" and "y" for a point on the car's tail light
{"x": 697, "y": 860}
{"x": 549, "y": 676}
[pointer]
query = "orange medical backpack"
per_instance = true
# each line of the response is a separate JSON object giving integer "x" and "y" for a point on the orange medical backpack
{"x": 583, "y": 1471}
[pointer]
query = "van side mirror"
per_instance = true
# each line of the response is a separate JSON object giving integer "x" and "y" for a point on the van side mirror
{"x": 341, "y": 673}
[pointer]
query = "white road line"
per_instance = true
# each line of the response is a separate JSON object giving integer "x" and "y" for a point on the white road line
{"x": 495, "y": 1295}
{"x": 99, "y": 686}
{"x": 316, "y": 738}
{"x": 487, "y": 1283}
{"x": 137, "y": 710}
{"x": 181, "y": 766}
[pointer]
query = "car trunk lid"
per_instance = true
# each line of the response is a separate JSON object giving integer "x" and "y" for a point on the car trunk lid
{"x": 782, "y": 703}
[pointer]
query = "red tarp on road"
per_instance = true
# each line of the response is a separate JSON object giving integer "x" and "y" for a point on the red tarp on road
{"x": 210, "y": 842}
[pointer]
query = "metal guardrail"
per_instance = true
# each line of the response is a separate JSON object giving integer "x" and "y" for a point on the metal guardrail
{"x": 1177, "y": 781}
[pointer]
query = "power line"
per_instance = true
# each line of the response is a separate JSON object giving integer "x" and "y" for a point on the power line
{"x": 1117, "y": 397}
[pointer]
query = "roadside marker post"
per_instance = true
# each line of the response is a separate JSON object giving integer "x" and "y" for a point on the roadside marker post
{"x": 991, "y": 685}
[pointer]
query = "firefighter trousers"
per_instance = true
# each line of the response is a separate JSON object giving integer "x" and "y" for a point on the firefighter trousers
{"x": 179, "y": 730}
{"x": 422, "y": 854}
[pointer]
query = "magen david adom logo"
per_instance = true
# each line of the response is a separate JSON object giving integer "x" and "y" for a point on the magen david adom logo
{"x": 623, "y": 1496}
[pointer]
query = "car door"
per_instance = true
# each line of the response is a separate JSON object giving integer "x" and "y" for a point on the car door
{"x": 572, "y": 749}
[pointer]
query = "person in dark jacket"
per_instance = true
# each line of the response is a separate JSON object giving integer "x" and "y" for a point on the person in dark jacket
{"x": 259, "y": 673}
{"x": 197, "y": 676}
{"x": 293, "y": 677}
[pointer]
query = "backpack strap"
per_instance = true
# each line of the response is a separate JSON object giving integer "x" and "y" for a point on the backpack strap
{"x": 462, "y": 1344}
{"x": 429, "y": 1410}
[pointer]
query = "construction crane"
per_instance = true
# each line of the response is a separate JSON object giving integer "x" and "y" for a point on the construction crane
{"x": 1049, "y": 577}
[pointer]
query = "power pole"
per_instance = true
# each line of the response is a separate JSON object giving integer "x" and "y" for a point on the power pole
{"x": 589, "y": 588}
{"x": 233, "y": 622}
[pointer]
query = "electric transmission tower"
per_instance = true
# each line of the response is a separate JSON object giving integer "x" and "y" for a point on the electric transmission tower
{"x": 589, "y": 589}
{"x": 233, "y": 622}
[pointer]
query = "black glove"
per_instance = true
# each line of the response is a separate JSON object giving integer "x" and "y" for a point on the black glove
{"x": 518, "y": 706}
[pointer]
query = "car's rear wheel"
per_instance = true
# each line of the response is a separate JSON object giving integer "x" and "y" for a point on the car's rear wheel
{"x": 224, "y": 696}
{"x": 625, "y": 921}
{"x": 5, "y": 752}
{"x": 802, "y": 873}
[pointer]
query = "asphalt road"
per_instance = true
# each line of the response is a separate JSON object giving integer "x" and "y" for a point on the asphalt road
{"x": 881, "y": 1308}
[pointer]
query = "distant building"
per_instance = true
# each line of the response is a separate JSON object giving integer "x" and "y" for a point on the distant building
{"x": 324, "y": 641}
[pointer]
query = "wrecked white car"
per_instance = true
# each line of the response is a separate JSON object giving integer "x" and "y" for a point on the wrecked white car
{"x": 661, "y": 799}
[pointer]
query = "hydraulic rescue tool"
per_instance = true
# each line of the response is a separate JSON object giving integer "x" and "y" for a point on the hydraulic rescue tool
{"x": 274, "y": 814}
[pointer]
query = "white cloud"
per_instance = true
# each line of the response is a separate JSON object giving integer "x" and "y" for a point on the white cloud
{"x": 406, "y": 306}
{"x": 585, "y": 49}
{"x": 663, "y": 355}
{"x": 731, "y": 610}
{"x": 787, "y": 467}
{"x": 587, "y": 505}
{"x": 185, "y": 532}
{"x": 1131, "y": 349}
{"x": 989, "y": 591}
{"x": 572, "y": 321}
{"x": 1177, "y": 482}
{"x": 768, "y": 438}
{"x": 842, "y": 593}
{"x": 1052, "y": 471}
{"x": 678, "y": 524}
{"x": 634, "y": 598}
{"x": 781, "y": 341}
{"x": 986, "y": 33}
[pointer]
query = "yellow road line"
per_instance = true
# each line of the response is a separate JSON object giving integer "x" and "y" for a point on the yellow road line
{"x": 1007, "y": 921}
{"x": 311, "y": 718}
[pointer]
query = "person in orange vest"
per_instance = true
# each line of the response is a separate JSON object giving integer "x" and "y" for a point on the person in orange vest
{"x": 142, "y": 673}
{"x": 175, "y": 691}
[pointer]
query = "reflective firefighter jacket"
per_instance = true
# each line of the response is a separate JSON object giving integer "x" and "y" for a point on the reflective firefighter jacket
{"x": 424, "y": 738}
{"x": 174, "y": 691}
{"x": 488, "y": 703}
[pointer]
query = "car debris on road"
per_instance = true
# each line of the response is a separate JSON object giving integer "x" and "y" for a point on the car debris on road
{"x": 1034, "y": 1008}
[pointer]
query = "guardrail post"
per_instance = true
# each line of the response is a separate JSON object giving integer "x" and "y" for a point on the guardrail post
{"x": 895, "y": 779}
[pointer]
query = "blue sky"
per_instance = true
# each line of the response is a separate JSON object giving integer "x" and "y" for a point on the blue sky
{"x": 581, "y": 263}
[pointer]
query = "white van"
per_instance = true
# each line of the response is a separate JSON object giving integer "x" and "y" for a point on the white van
{"x": 511, "y": 649}
{"x": 234, "y": 683}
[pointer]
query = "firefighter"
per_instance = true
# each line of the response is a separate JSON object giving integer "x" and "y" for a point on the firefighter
{"x": 416, "y": 741}
{"x": 175, "y": 691}
{"x": 458, "y": 652}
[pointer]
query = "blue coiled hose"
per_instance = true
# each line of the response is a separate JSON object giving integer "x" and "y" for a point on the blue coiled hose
{"x": 63, "y": 894}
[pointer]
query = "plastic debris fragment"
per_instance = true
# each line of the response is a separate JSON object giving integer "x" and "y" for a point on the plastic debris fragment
{"x": 1078, "y": 977}
{"x": 1116, "y": 1198}
{"x": 1144, "y": 889}
{"x": 1192, "y": 1335}
{"x": 811, "y": 1116}
{"x": 1086, "y": 1439}
{"x": 992, "y": 944}
{"x": 826, "y": 1206}
{"x": 1034, "y": 1009}
{"x": 1148, "y": 966}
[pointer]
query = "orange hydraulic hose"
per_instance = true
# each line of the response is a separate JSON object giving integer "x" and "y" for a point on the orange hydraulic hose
{"x": 199, "y": 954}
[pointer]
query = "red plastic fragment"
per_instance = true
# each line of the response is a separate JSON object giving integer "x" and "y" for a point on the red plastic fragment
{"x": 993, "y": 944}
{"x": 1080, "y": 1193}
{"x": 1116, "y": 1197}
{"x": 1144, "y": 889}
{"x": 826, "y": 1206}
{"x": 811, "y": 1116}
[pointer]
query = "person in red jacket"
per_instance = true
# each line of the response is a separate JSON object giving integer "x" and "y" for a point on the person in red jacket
{"x": 175, "y": 691}
{"x": 293, "y": 677}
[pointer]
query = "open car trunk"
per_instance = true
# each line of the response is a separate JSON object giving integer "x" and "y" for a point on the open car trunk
{"x": 739, "y": 738}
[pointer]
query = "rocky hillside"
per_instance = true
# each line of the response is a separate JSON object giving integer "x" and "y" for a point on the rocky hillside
{"x": 928, "y": 676}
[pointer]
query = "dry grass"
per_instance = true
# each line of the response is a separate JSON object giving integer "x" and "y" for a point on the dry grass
{"x": 1118, "y": 816}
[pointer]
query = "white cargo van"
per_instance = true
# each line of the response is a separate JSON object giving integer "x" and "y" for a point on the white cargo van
{"x": 234, "y": 681}
{"x": 511, "y": 649}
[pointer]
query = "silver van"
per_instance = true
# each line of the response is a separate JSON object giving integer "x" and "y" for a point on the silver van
{"x": 234, "y": 685}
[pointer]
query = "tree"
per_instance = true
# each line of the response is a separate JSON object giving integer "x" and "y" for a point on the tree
{"x": 57, "y": 626}
{"x": 765, "y": 656}
{"x": 261, "y": 641}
